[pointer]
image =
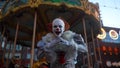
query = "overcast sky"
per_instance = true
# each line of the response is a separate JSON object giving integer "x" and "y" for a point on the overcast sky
{"x": 110, "y": 12}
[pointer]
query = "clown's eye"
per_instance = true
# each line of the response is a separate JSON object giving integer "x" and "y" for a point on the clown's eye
{"x": 55, "y": 26}
{"x": 60, "y": 26}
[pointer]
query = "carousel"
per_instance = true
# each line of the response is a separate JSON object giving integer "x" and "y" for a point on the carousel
{"x": 24, "y": 22}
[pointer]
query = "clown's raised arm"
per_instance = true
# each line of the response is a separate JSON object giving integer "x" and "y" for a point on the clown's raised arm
{"x": 75, "y": 40}
{"x": 47, "y": 41}
{"x": 82, "y": 47}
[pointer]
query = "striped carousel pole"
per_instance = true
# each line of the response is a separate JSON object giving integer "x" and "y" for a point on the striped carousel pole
{"x": 88, "y": 56}
{"x": 33, "y": 41}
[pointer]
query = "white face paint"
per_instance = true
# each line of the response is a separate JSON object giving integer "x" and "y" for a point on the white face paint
{"x": 58, "y": 26}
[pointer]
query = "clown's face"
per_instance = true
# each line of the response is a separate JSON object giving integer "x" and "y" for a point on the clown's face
{"x": 58, "y": 26}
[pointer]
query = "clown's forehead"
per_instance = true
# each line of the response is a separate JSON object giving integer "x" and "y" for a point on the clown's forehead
{"x": 58, "y": 22}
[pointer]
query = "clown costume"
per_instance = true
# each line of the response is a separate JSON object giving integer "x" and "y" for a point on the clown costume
{"x": 62, "y": 46}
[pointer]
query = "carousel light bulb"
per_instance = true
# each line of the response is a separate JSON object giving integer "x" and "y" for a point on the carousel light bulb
{"x": 108, "y": 63}
{"x": 104, "y": 48}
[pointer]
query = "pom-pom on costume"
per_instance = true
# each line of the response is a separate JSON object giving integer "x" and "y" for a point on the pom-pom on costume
{"x": 62, "y": 46}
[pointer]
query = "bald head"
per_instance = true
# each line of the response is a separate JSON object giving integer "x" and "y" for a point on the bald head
{"x": 58, "y": 26}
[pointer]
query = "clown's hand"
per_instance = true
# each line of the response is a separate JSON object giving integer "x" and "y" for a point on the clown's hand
{"x": 63, "y": 41}
{"x": 53, "y": 42}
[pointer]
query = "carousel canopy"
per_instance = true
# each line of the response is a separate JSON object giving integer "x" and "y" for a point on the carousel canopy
{"x": 75, "y": 12}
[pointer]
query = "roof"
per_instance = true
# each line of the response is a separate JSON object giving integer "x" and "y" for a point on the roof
{"x": 23, "y": 12}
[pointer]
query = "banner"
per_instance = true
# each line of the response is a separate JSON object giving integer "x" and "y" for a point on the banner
{"x": 110, "y": 35}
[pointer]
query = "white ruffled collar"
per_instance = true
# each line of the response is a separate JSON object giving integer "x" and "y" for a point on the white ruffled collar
{"x": 67, "y": 35}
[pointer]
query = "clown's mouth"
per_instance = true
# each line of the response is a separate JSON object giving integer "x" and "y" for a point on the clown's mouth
{"x": 57, "y": 32}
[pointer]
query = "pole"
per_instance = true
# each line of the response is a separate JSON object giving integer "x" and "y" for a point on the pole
{"x": 99, "y": 53}
{"x": 90, "y": 54}
{"x": 15, "y": 39}
{"x": 94, "y": 44}
{"x": 1, "y": 39}
{"x": 4, "y": 50}
{"x": 8, "y": 51}
{"x": 33, "y": 40}
{"x": 88, "y": 58}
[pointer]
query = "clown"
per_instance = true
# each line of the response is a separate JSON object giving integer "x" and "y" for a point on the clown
{"x": 61, "y": 45}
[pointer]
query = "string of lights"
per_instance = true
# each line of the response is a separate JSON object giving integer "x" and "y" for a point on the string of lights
{"x": 109, "y": 12}
{"x": 107, "y": 3}
{"x": 117, "y": 8}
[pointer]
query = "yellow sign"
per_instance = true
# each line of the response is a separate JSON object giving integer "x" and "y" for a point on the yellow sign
{"x": 103, "y": 35}
{"x": 113, "y": 34}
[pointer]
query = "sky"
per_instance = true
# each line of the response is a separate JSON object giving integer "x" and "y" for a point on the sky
{"x": 110, "y": 12}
